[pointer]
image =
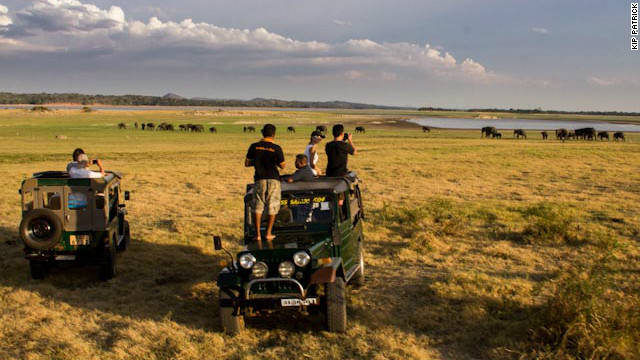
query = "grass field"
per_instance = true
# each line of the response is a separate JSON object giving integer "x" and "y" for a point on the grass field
{"x": 475, "y": 248}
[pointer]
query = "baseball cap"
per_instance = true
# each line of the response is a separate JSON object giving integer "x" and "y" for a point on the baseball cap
{"x": 83, "y": 158}
{"x": 317, "y": 133}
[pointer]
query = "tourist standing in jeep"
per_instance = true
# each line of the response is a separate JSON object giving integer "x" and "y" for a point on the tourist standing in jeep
{"x": 266, "y": 157}
{"x": 337, "y": 152}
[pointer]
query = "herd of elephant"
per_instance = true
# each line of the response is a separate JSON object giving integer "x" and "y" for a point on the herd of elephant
{"x": 199, "y": 128}
{"x": 168, "y": 127}
{"x": 561, "y": 134}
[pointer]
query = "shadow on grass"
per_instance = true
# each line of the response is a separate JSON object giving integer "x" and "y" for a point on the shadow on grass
{"x": 154, "y": 281}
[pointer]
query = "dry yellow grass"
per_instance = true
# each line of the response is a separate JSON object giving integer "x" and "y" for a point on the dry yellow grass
{"x": 458, "y": 262}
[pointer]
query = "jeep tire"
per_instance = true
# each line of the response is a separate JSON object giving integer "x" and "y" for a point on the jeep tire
{"x": 40, "y": 229}
{"x": 336, "y": 302}
{"x": 124, "y": 244}
{"x": 107, "y": 260}
{"x": 358, "y": 278}
{"x": 231, "y": 324}
{"x": 38, "y": 269}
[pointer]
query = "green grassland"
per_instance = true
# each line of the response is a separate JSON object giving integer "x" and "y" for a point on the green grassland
{"x": 475, "y": 248}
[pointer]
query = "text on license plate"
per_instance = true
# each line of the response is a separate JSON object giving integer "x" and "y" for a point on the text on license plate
{"x": 298, "y": 302}
{"x": 75, "y": 240}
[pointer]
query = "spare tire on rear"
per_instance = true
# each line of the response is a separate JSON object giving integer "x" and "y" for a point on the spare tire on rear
{"x": 40, "y": 229}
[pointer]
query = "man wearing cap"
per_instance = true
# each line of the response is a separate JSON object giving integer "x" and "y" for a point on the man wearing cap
{"x": 266, "y": 157}
{"x": 312, "y": 154}
{"x": 82, "y": 171}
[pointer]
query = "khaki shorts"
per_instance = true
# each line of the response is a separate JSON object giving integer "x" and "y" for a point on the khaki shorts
{"x": 267, "y": 194}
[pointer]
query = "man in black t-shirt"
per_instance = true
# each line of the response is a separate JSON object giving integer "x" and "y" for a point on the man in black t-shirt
{"x": 337, "y": 152}
{"x": 266, "y": 157}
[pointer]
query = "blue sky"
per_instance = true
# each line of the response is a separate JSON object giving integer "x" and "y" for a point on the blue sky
{"x": 567, "y": 55}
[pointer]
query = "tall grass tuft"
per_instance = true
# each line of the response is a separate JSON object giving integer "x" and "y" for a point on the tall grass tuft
{"x": 549, "y": 224}
{"x": 588, "y": 317}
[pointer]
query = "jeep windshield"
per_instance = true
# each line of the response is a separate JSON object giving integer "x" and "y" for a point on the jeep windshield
{"x": 299, "y": 209}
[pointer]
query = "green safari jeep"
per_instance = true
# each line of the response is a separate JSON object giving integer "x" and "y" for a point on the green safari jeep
{"x": 318, "y": 249}
{"x": 65, "y": 219}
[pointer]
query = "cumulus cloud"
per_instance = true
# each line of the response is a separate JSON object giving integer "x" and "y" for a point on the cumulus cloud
{"x": 72, "y": 26}
{"x": 603, "y": 82}
{"x": 5, "y": 20}
{"x": 66, "y": 16}
{"x": 540, "y": 30}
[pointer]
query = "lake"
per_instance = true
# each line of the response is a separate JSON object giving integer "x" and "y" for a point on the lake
{"x": 527, "y": 124}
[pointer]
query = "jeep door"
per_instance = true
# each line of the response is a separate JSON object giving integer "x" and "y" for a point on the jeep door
{"x": 349, "y": 238}
{"x": 78, "y": 214}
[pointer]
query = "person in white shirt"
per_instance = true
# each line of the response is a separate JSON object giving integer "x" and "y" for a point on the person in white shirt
{"x": 311, "y": 151}
{"x": 82, "y": 171}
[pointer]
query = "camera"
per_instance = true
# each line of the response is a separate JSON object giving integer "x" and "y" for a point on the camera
{"x": 95, "y": 161}
{"x": 346, "y": 137}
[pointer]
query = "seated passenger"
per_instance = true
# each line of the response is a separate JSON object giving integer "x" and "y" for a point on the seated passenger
{"x": 304, "y": 173}
{"x": 82, "y": 171}
{"x": 77, "y": 152}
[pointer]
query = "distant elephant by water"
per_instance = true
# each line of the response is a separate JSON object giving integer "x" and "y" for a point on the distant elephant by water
{"x": 618, "y": 136}
{"x": 250, "y": 129}
{"x": 497, "y": 135}
{"x": 586, "y": 133}
{"x": 488, "y": 131}
{"x": 122, "y": 126}
{"x": 426, "y": 129}
{"x": 571, "y": 135}
{"x": 135, "y": 125}
{"x": 151, "y": 126}
{"x": 545, "y": 135}
{"x": 291, "y": 129}
{"x": 561, "y": 134}
{"x": 213, "y": 129}
{"x": 519, "y": 133}
{"x": 143, "y": 126}
{"x": 360, "y": 129}
{"x": 602, "y": 135}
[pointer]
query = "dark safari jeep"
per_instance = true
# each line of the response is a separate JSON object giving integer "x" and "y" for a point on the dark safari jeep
{"x": 66, "y": 219}
{"x": 317, "y": 250}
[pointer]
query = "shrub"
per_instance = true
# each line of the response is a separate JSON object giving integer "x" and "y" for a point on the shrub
{"x": 40, "y": 108}
{"x": 86, "y": 109}
{"x": 548, "y": 223}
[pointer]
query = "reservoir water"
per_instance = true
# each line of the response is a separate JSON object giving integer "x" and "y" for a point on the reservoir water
{"x": 527, "y": 124}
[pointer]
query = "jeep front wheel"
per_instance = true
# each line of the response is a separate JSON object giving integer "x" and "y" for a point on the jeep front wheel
{"x": 231, "y": 324}
{"x": 336, "y": 301}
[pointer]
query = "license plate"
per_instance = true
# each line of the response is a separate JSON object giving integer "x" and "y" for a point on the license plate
{"x": 75, "y": 240}
{"x": 65, "y": 257}
{"x": 298, "y": 302}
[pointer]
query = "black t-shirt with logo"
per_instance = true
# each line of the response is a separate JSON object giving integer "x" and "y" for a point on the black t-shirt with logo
{"x": 266, "y": 157}
{"x": 337, "y": 152}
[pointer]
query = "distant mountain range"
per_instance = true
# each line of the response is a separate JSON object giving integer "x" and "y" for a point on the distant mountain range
{"x": 172, "y": 99}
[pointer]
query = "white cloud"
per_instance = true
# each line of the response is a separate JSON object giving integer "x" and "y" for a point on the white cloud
{"x": 604, "y": 82}
{"x": 67, "y": 16}
{"x": 540, "y": 30}
{"x": 72, "y": 26}
{"x": 5, "y": 20}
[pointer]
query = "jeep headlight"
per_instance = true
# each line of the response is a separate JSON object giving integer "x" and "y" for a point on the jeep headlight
{"x": 286, "y": 269}
{"x": 301, "y": 258}
{"x": 260, "y": 270}
{"x": 246, "y": 261}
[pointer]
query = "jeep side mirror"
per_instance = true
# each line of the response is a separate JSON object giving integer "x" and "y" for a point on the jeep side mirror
{"x": 217, "y": 243}
{"x": 127, "y": 195}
